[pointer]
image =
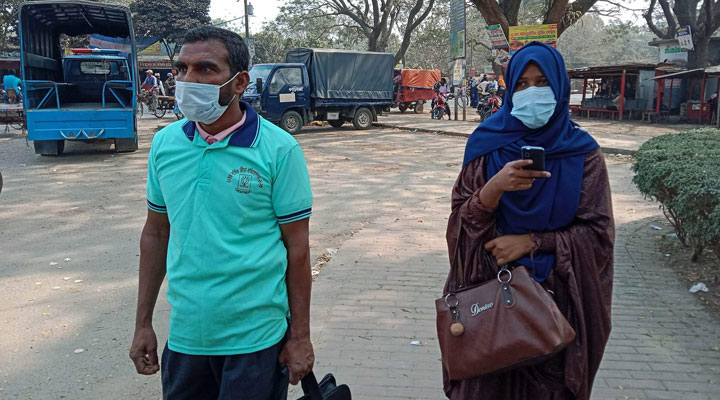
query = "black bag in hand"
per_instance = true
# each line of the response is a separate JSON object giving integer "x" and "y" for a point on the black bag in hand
{"x": 327, "y": 389}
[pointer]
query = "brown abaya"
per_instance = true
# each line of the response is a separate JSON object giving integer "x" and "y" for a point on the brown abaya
{"x": 581, "y": 280}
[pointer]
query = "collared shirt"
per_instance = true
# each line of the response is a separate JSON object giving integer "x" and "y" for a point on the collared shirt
{"x": 444, "y": 89}
{"x": 210, "y": 139}
{"x": 226, "y": 260}
{"x": 150, "y": 81}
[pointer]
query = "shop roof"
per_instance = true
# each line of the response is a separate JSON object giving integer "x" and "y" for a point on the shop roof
{"x": 598, "y": 71}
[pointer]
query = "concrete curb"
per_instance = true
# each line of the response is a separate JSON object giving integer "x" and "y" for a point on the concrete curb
{"x": 606, "y": 150}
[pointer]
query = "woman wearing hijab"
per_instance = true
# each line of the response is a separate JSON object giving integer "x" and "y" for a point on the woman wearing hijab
{"x": 556, "y": 222}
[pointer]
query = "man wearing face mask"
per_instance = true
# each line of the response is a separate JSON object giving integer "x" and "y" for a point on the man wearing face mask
{"x": 229, "y": 201}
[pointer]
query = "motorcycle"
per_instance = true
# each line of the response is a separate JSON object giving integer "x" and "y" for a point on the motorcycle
{"x": 440, "y": 105}
{"x": 488, "y": 105}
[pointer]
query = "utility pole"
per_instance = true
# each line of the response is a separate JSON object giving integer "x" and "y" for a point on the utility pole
{"x": 247, "y": 22}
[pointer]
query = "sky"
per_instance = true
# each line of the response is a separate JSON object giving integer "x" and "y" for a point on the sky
{"x": 267, "y": 10}
{"x": 264, "y": 10}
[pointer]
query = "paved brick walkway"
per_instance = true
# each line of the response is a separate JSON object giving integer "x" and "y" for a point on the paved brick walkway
{"x": 377, "y": 296}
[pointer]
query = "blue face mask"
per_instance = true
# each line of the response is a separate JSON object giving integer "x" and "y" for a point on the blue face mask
{"x": 534, "y": 106}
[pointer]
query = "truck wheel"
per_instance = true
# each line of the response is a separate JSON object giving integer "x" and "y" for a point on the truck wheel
{"x": 363, "y": 119}
{"x": 419, "y": 108}
{"x": 126, "y": 145}
{"x": 336, "y": 123}
{"x": 49, "y": 147}
{"x": 291, "y": 122}
{"x": 402, "y": 107}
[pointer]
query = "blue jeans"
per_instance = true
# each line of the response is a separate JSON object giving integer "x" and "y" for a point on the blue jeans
{"x": 254, "y": 376}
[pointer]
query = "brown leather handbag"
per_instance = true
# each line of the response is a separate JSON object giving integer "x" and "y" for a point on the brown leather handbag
{"x": 498, "y": 325}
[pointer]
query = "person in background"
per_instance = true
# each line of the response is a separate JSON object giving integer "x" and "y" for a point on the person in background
{"x": 713, "y": 103}
{"x": 151, "y": 86}
{"x": 558, "y": 223}
{"x": 483, "y": 85}
{"x": 11, "y": 83}
{"x": 474, "y": 94}
{"x": 170, "y": 84}
{"x": 160, "y": 86}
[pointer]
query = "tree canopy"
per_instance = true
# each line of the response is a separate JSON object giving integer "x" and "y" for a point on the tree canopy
{"x": 702, "y": 16}
{"x": 169, "y": 20}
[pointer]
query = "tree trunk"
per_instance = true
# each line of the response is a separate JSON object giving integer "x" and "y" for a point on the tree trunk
{"x": 698, "y": 57}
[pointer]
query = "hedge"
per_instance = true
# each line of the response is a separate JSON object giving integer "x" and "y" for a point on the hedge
{"x": 682, "y": 173}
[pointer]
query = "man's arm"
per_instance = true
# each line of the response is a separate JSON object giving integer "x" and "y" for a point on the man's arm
{"x": 153, "y": 255}
{"x": 298, "y": 352}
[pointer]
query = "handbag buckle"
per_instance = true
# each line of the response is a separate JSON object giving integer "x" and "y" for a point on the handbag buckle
{"x": 504, "y": 269}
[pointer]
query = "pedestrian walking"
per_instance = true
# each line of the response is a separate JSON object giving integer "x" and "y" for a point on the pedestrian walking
{"x": 558, "y": 223}
{"x": 229, "y": 201}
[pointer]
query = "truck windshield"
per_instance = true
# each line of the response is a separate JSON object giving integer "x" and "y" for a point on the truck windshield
{"x": 94, "y": 67}
{"x": 258, "y": 71}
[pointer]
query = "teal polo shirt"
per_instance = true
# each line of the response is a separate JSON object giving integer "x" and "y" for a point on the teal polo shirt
{"x": 226, "y": 261}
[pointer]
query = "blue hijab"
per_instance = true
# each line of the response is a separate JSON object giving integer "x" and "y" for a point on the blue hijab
{"x": 550, "y": 204}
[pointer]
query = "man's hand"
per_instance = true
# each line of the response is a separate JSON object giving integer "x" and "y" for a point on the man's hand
{"x": 511, "y": 178}
{"x": 143, "y": 351}
{"x": 299, "y": 357}
{"x": 509, "y": 248}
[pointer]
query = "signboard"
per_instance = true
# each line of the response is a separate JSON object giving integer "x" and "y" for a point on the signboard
{"x": 497, "y": 37}
{"x": 457, "y": 29}
{"x": 154, "y": 49}
{"x": 519, "y": 35}
{"x": 458, "y": 71}
{"x": 675, "y": 83}
{"x": 154, "y": 64}
{"x": 251, "y": 47}
{"x": 672, "y": 53}
{"x": 684, "y": 36}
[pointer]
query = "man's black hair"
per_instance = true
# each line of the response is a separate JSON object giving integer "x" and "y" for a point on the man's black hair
{"x": 11, "y": 71}
{"x": 238, "y": 54}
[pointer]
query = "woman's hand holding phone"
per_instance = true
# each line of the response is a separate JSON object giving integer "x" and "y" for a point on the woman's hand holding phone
{"x": 511, "y": 178}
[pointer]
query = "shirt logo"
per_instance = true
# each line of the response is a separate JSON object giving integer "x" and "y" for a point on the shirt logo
{"x": 243, "y": 179}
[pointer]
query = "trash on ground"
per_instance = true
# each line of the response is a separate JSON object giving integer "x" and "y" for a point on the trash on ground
{"x": 655, "y": 227}
{"x": 698, "y": 287}
{"x": 416, "y": 343}
{"x": 77, "y": 280}
{"x": 315, "y": 273}
{"x": 38, "y": 283}
{"x": 67, "y": 260}
{"x": 672, "y": 235}
{"x": 56, "y": 287}
{"x": 53, "y": 263}
{"x": 332, "y": 251}
{"x": 78, "y": 351}
{"x": 66, "y": 278}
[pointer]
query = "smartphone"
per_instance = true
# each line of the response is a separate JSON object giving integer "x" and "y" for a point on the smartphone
{"x": 535, "y": 153}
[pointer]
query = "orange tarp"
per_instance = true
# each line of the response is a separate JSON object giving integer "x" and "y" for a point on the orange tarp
{"x": 420, "y": 77}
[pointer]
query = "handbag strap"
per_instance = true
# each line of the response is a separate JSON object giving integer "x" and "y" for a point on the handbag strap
{"x": 311, "y": 387}
{"x": 455, "y": 262}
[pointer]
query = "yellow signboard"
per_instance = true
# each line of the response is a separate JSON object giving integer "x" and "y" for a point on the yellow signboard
{"x": 519, "y": 35}
{"x": 154, "y": 49}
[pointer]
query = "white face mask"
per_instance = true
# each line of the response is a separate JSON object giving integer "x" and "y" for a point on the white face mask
{"x": 200, "y": 102}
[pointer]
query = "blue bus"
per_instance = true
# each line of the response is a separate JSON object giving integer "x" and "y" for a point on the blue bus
{"x": 77, "y": 94}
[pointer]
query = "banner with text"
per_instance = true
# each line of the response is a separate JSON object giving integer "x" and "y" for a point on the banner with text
{"x": 519, "y": 35}
{"x": 684, "y": 36}
{"x": 497, "y": 36}
{"x": 457, "y": 29}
